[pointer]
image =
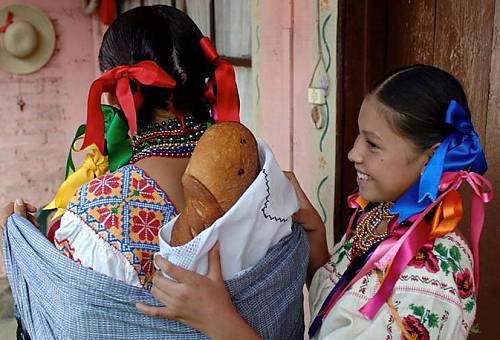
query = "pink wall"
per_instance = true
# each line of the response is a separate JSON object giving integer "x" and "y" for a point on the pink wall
{"x": 284, "y": 64}
{"x": 34, "y": 141}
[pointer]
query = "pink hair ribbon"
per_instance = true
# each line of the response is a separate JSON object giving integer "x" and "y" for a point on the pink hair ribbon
{"x": 400, "y": 248}
{"x": 448, "y": 215}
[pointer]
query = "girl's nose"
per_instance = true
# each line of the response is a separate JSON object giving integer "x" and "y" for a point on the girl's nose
{"x": 354, "y": 154}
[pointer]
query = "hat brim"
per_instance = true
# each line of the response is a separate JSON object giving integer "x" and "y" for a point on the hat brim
{"x": 46, "y": 40}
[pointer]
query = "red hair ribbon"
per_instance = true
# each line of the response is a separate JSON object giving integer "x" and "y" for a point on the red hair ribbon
{"x": 225, "y": 94}
{"x": 107, "y": 11}
{"x": 8, "y": 22}
{"x": 117, "y": 80}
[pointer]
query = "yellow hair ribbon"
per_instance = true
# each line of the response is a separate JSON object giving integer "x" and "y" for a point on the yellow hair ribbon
{"x": 94, "y": 165}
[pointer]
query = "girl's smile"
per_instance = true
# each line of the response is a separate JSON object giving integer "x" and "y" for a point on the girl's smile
{"x": 386, "y": 163}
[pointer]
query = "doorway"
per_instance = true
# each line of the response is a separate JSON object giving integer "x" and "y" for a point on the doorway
{"x": 460, "y": 36}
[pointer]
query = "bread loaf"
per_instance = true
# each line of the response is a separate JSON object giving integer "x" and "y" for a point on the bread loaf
{"x": 223, "y": 165}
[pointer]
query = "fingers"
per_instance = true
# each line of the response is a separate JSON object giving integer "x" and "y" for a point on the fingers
{"x": 31, "y": 208}
{"x": 156, "y": 312}
{"x": 214, "y": 265}
{"x": 33, "y": 220}
{"x": 163, "y": 283}
{"x": 20, "y": 208}
{"x": 7, "y": 210}
{"x": 177, "y": 273}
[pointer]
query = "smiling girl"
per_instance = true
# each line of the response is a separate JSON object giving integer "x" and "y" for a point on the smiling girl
{"x": 401, "y": 269}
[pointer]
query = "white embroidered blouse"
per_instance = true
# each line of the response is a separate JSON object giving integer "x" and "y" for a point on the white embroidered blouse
{"x": 434, "y": 297}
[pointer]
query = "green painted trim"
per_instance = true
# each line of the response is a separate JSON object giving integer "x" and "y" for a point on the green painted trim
{"x": 325, "y": 130}
{"x": 323, "y": 211}
{"x": 326, "y": 43}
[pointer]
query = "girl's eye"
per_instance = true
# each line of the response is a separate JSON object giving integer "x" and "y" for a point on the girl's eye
{"x": 371, "y": 144}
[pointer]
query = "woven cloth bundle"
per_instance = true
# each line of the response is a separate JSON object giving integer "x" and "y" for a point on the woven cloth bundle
{"x": 57, "y": 298}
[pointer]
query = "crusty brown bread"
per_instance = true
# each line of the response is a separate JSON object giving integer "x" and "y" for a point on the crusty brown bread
{"x": 223, "y": 165}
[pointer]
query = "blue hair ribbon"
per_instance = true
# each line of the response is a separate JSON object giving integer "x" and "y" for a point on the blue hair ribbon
{"x": 460, "y": 150}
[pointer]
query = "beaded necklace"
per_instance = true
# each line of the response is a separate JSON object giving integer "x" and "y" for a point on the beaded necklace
{"x": 364, "y": 235}
{"x": 172, "y": 138}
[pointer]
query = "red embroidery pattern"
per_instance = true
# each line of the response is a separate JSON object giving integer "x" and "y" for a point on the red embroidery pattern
{"x": 145, "y": 225}
{"x": 126, "y": 209}
{"x": 104, "y": 185}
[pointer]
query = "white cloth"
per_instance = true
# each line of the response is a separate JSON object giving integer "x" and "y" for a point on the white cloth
{"x": 88, "y": 249}
{"x": 256, "y": 222}
{"x": 427, "y": 296}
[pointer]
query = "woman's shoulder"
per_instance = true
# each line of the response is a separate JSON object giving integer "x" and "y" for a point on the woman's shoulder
{"x": 127, "y": 183}
{"x": 118, "y": 217}
{"x": 443, "y": 268}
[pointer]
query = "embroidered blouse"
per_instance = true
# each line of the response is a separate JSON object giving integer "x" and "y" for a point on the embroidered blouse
{"x": 111, "y": 225}
{"x": 434, "y": 296}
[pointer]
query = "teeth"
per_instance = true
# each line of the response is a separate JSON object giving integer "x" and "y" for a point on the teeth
{"x": 362, "y": 176}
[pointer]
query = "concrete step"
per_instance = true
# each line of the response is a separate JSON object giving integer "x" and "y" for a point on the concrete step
{"x": 8, "y": 329}
{"x": 6, "y": 300}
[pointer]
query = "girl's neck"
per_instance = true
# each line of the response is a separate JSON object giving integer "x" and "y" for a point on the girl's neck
{"x": 160, "y": 115}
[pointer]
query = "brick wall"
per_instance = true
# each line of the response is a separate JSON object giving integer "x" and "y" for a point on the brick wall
{"x": 39, "y": 113}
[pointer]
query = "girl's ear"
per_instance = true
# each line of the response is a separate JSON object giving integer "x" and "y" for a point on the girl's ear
{"x": 430, "y": 151}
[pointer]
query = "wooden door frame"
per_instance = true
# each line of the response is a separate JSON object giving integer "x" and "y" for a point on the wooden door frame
{"x": 361, "y": 43}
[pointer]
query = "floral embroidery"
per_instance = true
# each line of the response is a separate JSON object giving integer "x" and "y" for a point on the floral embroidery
{"x": 416, "y": 324}
{"x": 142, "y": 188}
{"x": 145, "y": 225}
{"x": 448, "y": 258}
{"x": 390, "y": 322}
{"x": 342, "y": 251}
{"x": 425, "y": 258}
{"x": 108, "y": 217}
{"x": 126, "y": 210}
{"x": 464, "y": 283}
{"x": 104, "y": 185}
{"x": 415, "y": 328}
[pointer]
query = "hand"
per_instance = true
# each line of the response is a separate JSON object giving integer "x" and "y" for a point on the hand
{"x": 20, "y": 208}
{"x": 200, "y": 302}
{"x": 307, "y": 215}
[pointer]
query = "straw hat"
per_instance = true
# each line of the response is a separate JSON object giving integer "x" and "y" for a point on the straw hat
{"x": 28, "y": 40}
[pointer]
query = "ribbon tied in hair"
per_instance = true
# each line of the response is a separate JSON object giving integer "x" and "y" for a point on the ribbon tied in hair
{"x": 458, "y": 159}
{"x": 460, "y": 150}
{"x": 222, "y": 91}
{"x": 94, "y": 165}
{"x": 116, "y": 80}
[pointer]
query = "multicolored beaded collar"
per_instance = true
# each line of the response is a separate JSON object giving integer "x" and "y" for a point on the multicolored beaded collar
{"x": 173, "y": 138}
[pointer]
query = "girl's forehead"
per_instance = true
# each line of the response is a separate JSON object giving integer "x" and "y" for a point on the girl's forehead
{"x": 374, "y": 123}
{"x": 373, "y": 117}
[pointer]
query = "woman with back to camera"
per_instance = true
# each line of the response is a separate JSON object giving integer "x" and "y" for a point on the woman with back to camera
{"x": 156, "y": 63}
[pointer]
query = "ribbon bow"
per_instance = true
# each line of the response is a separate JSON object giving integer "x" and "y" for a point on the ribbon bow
{"x": 399, "y": 251}
{"x": 459, "y": 150}
{"x": 94, "y": 165}
{"x": 8, "y": 21}
{"x": 224, "y": 93}
{"x": 117, "y": 80}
